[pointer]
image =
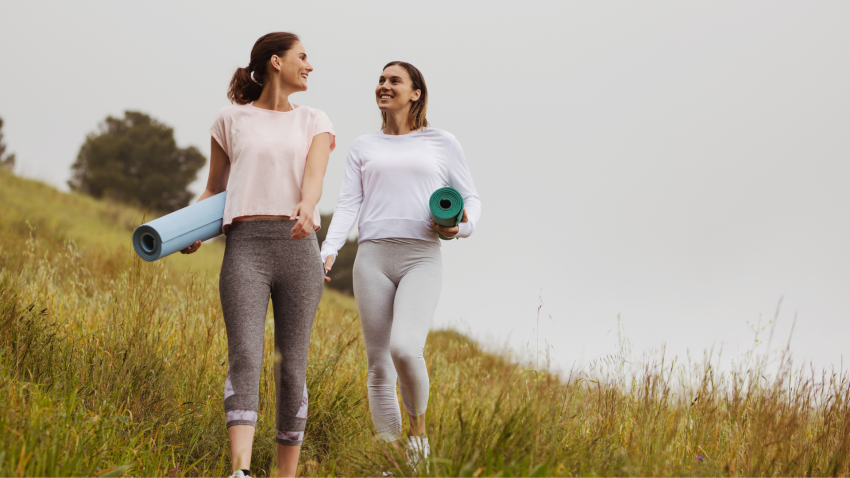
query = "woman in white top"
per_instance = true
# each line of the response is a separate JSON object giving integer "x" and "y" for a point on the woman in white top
{"x": 389, "y": 178}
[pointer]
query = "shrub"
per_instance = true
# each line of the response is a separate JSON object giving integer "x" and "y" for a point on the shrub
{"x": 136, "y": 160}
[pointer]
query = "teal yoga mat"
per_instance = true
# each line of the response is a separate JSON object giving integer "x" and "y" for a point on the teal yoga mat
{"x": 446, "y": 206}
{"x": 180, "y": 229}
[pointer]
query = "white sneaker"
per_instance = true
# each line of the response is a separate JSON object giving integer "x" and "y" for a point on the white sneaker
{"x": 426, "y": 453}
{"x": 239, "y": 474}
{"x": 418, "y": 452}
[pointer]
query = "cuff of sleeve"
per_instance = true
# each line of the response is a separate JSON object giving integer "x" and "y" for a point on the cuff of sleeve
{"x": 325, "y": 255}
{"x": 464, "y": 229}
{"x": 333, "y": 137}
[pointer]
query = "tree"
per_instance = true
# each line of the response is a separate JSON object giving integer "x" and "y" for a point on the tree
{"x": 136, "y": 160}
{"x": 7, "y": 161}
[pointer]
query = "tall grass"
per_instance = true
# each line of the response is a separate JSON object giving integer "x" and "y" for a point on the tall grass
{"x": 111, "y": 366}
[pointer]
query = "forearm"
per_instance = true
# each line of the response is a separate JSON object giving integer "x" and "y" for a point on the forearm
{"x": 314, "y": 172}
{"x": 311, "y": 190}
{"x": 345, "y": 215}
{"x": 461, "y": 180}
{"x": 206, "y": 194}
{"x": 472, "y": 205}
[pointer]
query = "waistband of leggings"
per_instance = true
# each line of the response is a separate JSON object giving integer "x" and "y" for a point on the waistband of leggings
{"x": 279, "y": 229}
{"x": 403, "y": 246}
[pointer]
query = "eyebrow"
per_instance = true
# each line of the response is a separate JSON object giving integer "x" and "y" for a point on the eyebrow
{"x": 392, "y": 77}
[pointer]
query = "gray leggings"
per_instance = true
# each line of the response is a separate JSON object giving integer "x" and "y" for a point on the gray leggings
{"x": 260, "y": 260}
{"x": 397, "y": 285}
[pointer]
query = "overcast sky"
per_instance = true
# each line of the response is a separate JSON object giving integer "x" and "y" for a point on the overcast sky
{"x": 681, "y": 164}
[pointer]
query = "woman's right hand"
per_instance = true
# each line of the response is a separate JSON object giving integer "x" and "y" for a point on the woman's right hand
{"x": 328, "y": 263}
{"x": 194, "y": 247}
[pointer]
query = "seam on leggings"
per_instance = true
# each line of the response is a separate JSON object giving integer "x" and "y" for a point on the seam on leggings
{"x": 241, "y": 422}
{"x": 413, "y": 411}
{"x": 289, "y": 442}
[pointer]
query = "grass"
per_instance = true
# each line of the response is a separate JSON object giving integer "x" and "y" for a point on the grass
{"x": 112, "y": 366}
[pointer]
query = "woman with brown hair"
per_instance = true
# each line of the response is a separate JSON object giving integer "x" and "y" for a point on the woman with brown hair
{"x": 389, "y": 178}
{"x": 270, "y": 156}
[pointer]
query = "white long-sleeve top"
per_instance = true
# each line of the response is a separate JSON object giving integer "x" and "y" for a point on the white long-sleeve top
{"x": 392, "y": 177}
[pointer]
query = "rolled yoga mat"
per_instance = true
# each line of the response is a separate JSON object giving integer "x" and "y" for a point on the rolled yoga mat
{"x": 180, "y": 229}
{"x": 446, "y": 206}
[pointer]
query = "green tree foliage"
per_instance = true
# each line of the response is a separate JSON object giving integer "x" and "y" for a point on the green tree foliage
{"x": 136, "y": 160}
{"x": 6, "y": 160}
{"x": 343, "y": 268}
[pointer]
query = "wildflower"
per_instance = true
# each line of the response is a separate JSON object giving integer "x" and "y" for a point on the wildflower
{"x": 699, "y": 458}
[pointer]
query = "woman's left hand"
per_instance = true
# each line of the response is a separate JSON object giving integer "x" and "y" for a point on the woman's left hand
{"x": 303, "y": 213}
{"x": 449, "y": 232}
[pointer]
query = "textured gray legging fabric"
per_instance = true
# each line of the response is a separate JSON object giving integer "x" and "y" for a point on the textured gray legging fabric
{"x": 261, "y": 261}
{"x": 397, "y": 286}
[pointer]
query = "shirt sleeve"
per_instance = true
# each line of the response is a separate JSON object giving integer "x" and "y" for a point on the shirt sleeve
{"x": 347, "y": 207}
{"x": 322, "y": 124}
{"x": 218, "y": 130}
{"x": 461, "y": 180}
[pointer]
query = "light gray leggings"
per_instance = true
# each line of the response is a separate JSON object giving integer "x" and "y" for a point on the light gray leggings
{"x": 261, "y": 261}
{"x": 397, "y": 286}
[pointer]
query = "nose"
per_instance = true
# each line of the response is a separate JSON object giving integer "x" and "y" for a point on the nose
{"x": 309, "y": 67}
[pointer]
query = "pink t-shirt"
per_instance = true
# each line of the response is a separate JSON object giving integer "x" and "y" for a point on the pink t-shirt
{"x": 268, "y": 153}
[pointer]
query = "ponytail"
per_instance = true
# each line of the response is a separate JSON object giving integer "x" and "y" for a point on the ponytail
{"x": 247, "y": 83}
{"x": 243, "y": 89}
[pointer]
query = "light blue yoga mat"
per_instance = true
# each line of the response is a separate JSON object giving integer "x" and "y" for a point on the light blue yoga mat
{"x": 446, "y": 205}
{"x": 180, "y": 229}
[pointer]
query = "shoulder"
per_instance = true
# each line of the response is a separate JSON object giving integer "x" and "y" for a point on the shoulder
{"x": 231, "y": 111}
{"x": 441, "y": 135}
{"x": 311, "y": 112}
{"x": 363, "y": 143}
{"x": 364, "y": 140}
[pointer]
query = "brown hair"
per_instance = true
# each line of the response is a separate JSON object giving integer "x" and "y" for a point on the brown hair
{"x": 416, "y": 120}
{"x": 247, "y": 83}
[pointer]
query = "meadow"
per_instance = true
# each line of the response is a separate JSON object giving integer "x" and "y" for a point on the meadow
{"x": 110, "y": 366}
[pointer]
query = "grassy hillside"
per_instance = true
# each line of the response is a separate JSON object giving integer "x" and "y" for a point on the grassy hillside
{"x": 112, "y": 366}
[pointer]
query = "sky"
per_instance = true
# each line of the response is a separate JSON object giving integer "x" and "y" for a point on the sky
{"x": 679, "y": 165}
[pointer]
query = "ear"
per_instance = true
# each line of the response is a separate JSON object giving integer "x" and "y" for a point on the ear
{"x": 416, "y": 95}
{"x": 276, "y": 62}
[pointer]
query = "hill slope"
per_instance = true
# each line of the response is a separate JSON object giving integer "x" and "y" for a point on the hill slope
{"x": 110, "y": 366}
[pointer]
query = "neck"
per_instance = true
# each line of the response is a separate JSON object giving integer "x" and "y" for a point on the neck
{"x": 274, "y": 97}
{"x": 397, "y": 122}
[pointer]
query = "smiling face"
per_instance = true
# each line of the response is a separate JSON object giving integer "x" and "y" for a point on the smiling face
{"x": 293, "y": 68}
{"x": 395, "y": 90}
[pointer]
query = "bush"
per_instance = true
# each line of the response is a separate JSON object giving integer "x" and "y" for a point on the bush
{"x": 136, "y": 160}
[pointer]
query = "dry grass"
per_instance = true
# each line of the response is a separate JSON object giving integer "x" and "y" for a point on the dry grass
{"x": 112, "y": 366}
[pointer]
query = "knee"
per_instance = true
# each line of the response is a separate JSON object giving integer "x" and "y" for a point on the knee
{"x": 381, "y": 373}
{"x": 406, "y": 359}
{"x": 288, "y": 375}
